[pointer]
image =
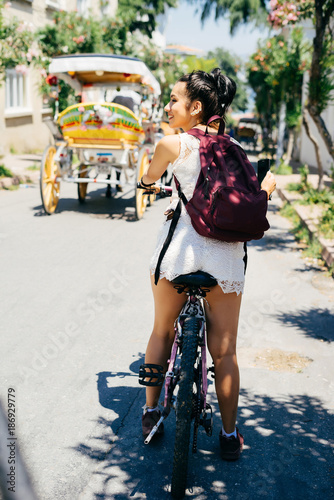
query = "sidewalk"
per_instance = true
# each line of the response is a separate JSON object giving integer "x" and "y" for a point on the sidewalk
{"x": 19, "y": 165}
{"x": 309, "y": 215}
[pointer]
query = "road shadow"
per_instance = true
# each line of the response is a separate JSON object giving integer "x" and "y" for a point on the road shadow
{"x": 277, "y": 238}
{"x": 314, "y": 322}
{"x": 96, "y": 204}
{"x": 288, "y": 453}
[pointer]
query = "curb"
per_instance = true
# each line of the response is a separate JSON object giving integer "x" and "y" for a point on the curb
{"x": 17, "y": 180}
{"x": 309, "y": 220}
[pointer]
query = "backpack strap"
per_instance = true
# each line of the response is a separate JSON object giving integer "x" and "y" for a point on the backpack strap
{"x": 221, "y": 129}
{"x": 167, "y": 241}
{"x": 179, "y": 192}
{"x": 172, "y": 227}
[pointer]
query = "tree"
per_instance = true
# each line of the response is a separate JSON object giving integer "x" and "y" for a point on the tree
{"x": 282, "y": 13}
{"x": 321, "y": 81}
{"x": 139, "y": 15}
{"x": 241, "y": 11}
{"x": 275, "y": 73}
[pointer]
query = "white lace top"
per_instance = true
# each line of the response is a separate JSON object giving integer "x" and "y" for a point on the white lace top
{"x": 188, "y": 250}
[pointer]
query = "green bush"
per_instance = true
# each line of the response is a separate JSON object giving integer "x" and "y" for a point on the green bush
{"x": 282, "y": 169}
{"x": 295, "y": 186}
{"x": 5, "y": 172}
{"x": 304, "y": 171}
{"x": 313, "y": 196}
{"x": 326, "y": 224}
{"x": 312, "y": 246}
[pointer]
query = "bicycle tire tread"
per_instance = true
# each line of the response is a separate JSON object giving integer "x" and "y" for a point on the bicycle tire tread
{"x": 184, "y": 407}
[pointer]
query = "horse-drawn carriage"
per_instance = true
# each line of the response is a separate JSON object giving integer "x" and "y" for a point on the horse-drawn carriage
{"x": 105, "y": 137}
{"x": 248, "y": 131}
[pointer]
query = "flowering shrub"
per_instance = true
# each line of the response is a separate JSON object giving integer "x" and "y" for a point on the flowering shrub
{"x": 275, "y": 72}
{"x": 69, "y": 34}
{"x": 17, "y": 48}
{"x": 284, "y": 12}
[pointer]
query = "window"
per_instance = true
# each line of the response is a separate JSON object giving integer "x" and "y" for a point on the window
{"x": 16, "y": 91}
{"x": 83, "y": 7}
{"x": 53, "y": 4}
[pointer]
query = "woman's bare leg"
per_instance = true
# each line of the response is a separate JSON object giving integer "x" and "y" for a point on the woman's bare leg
{"x": 167, "y": 306}
{"x": 222, "y": 322}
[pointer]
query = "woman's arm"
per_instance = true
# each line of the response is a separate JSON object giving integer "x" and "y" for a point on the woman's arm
{"x": 166, "y": 152}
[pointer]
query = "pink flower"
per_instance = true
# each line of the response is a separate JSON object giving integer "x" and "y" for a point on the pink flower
{"x": 81, "y": 109}
{"x": 273, "y": 3}
{"x": 43, "y": 73}
{"x": 31, "y": 53}
{"x": 20, "y": 28}
{"x": 292, "y": 17}
{"x": 83, "y": 128}
{"x": 254, "y": 68}
{"x": 80, "y": 39}
{"x": 21, "y": 68}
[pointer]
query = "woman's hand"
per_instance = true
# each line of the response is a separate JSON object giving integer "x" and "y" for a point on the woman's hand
{"x": 269, "y": 183}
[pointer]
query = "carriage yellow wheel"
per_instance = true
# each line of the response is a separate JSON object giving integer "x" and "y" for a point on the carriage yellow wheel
{"x": 49, "y": 181}
{"x": 140, "y": 198}
{"x": 151, "y": 199}
{"x": 82, "y": 187}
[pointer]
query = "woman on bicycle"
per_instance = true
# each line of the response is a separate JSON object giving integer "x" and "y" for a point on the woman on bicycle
{"x": 194, "y": 99}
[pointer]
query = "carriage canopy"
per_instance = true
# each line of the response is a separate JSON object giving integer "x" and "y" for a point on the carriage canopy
{"x": 83, "y": 70}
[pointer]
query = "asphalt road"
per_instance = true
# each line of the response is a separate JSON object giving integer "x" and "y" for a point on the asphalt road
{"x": 76, "y": 313}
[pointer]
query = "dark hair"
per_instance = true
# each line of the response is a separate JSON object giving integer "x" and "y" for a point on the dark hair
{"x": 215, "y": 91}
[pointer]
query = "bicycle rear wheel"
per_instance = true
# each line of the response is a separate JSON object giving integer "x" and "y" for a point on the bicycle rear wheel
{"x": 184, "y": 407}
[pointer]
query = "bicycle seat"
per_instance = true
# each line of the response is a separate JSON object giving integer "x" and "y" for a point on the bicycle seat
{"x": 198, "y": 279}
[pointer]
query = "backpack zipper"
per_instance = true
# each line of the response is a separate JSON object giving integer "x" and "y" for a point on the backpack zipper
{"x": 206, "y": 180}
{"x": 213, "y": 206}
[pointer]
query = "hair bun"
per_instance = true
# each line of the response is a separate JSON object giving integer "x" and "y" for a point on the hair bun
{"x": 226, "y": 87}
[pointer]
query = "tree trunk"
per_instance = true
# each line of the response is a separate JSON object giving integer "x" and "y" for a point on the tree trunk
{"x": 323, "y": 131}
{"x": 290, "y": 146}
{"x": 322, "y": 20}
{"x": 281, "y": 130}
{"x": 316, "y": 148}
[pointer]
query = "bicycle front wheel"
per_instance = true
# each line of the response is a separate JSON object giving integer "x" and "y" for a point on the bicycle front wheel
{"x": 184, "y": 407}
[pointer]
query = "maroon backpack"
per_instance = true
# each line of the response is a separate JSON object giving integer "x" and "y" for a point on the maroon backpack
{"x": 227, "y": 203}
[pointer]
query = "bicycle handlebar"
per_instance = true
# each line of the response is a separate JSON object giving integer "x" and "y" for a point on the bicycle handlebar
{"x": 164, "y": 191}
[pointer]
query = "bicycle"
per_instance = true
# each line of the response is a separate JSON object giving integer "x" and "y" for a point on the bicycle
{"x": 189, "y": 374}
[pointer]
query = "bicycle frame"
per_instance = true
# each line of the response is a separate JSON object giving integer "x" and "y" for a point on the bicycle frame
{"x": 194, "y": 308}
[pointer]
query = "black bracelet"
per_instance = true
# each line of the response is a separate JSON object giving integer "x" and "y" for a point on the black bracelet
{"x": 145, "y": 185}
